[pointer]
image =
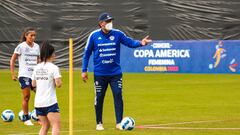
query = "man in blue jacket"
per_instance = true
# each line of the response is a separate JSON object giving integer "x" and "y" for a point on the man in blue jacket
{"x": 105, "y": 45}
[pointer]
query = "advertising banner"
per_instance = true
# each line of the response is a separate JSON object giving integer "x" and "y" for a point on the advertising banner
{"x": 182, "y": 56}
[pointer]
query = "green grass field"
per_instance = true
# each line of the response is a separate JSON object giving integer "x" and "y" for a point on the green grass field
{"x": 175, "y": 104}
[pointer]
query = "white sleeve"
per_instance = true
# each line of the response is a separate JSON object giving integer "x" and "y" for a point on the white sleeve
{"x": 33, "y": 75}
{"x": 18, "y": 50}
{"x": 56, "y": 73}
{"x": 38, "y": 51}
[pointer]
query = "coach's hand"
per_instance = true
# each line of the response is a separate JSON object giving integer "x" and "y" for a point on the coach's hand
{"x": 145, "y": 41}
{"x": 85, "y": 76}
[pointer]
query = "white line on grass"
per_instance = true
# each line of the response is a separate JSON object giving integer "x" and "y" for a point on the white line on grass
{"x": 158, "y": 126}
{"x": 189, "y": 128}
{"x": 183, "y": 123}
{"x": 76, "y": 131}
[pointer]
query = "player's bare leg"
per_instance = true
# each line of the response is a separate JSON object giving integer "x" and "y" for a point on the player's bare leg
{"x": 25, "y": 100}
{"x": 54, "y": 119}
{"x": 45, "y": 125}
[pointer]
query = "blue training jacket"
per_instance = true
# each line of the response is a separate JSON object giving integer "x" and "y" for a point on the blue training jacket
{"x": 106, "y": 51}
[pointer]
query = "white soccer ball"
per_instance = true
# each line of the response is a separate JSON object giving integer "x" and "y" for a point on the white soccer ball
{"x": 127, "y": 123}
{"x": 21, "y": 117}
{"x": 7, "y": 115}
{"x": 34, "y": 115}
{"x": 210, "y": 66}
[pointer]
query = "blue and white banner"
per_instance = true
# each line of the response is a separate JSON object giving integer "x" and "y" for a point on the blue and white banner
{"x": 178, "y": 56}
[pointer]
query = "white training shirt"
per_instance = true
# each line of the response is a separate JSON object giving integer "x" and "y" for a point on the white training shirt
{"x": 27, "y": 58}
{"x": 44, "y": 74}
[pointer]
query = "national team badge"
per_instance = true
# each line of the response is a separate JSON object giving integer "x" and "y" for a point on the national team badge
{"x": 27, "y": 50}
{"x": 112, "y": 38}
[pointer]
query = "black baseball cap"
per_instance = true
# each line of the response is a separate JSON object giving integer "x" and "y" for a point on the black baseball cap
{"x": 105, "y": 16}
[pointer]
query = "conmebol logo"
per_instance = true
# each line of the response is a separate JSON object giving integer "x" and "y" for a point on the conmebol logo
{"x": 161, "y": 45}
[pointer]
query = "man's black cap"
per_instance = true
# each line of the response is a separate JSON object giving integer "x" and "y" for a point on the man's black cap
{"x": 104, "y": 17}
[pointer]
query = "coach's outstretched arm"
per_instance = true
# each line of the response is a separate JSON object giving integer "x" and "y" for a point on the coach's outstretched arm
{"x": 129, "y": 42}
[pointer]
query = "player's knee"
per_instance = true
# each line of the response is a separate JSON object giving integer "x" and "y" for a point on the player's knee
{"x": 26, "y": 98}
{"x": 45, "y": 127}
{"x": 56, "y": 128}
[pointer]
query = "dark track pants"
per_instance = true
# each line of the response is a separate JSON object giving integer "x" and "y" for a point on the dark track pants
{"x": 100, "y": 85}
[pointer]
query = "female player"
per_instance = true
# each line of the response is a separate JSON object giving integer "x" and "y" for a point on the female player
{"x": 27, "y": 53}
{"x": 46, "y": 77}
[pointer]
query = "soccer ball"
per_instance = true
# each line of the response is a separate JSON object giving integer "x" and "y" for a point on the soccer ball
{"x": 34, "y": 115}
{"x": 7, "y": 115}
{"x": 210, "y": 66}
{"x": 127, "y": 123}
{"x": 22, "y": 117}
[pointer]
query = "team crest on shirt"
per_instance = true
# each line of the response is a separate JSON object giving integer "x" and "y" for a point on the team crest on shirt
{"x": 27, "y": 50}
{"x": 99, "y": 38}
{"x": 112, "y": 38}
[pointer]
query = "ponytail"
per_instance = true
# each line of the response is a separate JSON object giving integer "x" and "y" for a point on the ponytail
{"x": 46, "y": 51}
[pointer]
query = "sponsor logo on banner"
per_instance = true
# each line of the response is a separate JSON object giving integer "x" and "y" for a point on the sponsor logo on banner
{"x": 161, "y": 58}
{"x": 220, "y": 56}
{"x": 161, "y": 45}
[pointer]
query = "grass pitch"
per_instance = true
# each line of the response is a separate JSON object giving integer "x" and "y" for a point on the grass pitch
{"x": 161, "y": 104}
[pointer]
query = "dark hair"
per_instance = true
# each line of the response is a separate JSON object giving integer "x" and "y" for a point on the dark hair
{"x": 26, "y": 31}
{"x": 46, "y": 51}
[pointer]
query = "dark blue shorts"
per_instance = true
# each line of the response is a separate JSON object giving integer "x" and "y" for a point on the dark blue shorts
{"x": 43, "y": 111}
{"x": 25, "y": 82}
